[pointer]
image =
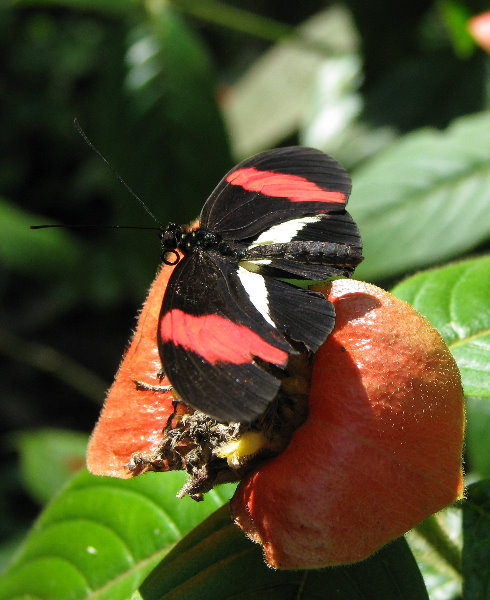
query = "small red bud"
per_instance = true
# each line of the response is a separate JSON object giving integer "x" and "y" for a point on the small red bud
{"x": 479, "y": 27}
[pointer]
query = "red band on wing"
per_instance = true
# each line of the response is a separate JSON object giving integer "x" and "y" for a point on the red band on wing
{"x": 217, "y": 339}
{"x": 281, "y": 185}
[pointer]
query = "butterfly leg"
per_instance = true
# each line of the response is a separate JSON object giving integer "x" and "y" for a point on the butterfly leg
{"x": 141, "y": 385}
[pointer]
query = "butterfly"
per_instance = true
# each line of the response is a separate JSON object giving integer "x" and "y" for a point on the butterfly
{"x": 229, "y": 323}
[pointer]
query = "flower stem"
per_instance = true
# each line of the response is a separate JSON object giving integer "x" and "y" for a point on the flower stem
{"x": 440, "y": 542}
{"x": 235, "y": 18}
{"x": 48, "y": 359}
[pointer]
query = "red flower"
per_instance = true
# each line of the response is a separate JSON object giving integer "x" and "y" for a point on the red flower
{"x": 132, "y": 419}
{"x": 381, "y": 448}
{"x": 379, "y": 451}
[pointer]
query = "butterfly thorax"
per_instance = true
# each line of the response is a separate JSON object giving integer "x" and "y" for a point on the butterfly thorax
{"x": 174, "y": 237}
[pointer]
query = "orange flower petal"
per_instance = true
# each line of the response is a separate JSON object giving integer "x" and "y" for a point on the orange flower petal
{"x": 381, "y": 448}
{"x": 132, "y": 419}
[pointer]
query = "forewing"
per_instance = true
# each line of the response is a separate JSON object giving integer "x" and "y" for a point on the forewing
{"x": 210, "y": 334}
{"x": 272, "y": 187}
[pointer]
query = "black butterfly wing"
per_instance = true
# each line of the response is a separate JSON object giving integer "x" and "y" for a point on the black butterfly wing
{"x": 222, "y": 327}
{"x": 285, "y": 196}
{"x": 273, "y": 187}
{"x": 225, "y": 327}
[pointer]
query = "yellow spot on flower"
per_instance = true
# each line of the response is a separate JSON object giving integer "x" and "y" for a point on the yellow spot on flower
{"x": 237, "y": 450}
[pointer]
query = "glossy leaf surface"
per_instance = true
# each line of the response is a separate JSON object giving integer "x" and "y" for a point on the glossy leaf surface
{"x": 49, "y": 457}
{"x": 455, "y": 299}
{"x": 424, "y": 198}
{"x": 217, "y": 562}
{"x": 101, "y": 536}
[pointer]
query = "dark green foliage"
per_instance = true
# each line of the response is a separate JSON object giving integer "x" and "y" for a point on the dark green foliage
{"x": 476, "y": 541}
{"x": 173, "y": 94}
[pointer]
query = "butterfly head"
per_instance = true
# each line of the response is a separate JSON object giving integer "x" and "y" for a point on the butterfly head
{"x": 173, "y": 237}
{"x": 170, "y": 238}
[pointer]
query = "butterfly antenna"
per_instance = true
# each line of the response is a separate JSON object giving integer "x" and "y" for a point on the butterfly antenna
{"x": 91, "y": 227}
{"x": 108, "y": 164}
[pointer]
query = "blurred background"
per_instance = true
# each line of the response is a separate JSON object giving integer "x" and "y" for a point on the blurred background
{"x": 174, "y": 93}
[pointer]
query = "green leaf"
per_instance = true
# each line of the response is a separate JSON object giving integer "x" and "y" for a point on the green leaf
{"x": 34, "y": 252}
{"x": 424, "y": 198}
{"x": 333, "y": 120}
{"x": 109, "y": 7}
{"x": 441, "y": 578}
{"x": 336, "y": 103}
{"x": 8, "y": 547}
{"x": 101, "y": 536}
{"x": 233, "y": 17}
{"x": 273, "y": 98}
{"x": 477, "y": 438}
{"x": 456, "y": 301}
{"x": 476, "y": 547}
{"x": 174, "y": 120}
{"x": 48, "y": 458}
{"x": 216, "y": 561}
{"x": 456, "y": 16}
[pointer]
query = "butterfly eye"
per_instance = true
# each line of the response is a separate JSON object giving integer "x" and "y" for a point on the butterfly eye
{"x": 170, "y": 236}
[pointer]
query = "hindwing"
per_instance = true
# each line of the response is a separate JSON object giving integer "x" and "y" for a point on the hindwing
{"x": 221, "y": 327}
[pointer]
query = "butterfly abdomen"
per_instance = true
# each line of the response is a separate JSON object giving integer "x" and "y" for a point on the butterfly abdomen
{"x": 308, "y": 252}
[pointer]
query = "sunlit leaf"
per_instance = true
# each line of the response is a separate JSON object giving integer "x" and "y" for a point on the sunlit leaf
{"x": 333, "y": 123}
{"x": 336, "y": 102}
{"x": 100, "y": 537}
{"x": 456, "y": 301}
{"x": 8, "y": 547}
{"x": 273, "y": 98}
{"x": 477, "y": 438}
{"x": 441, "y": 579}
{"x": 424, "y": 198}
